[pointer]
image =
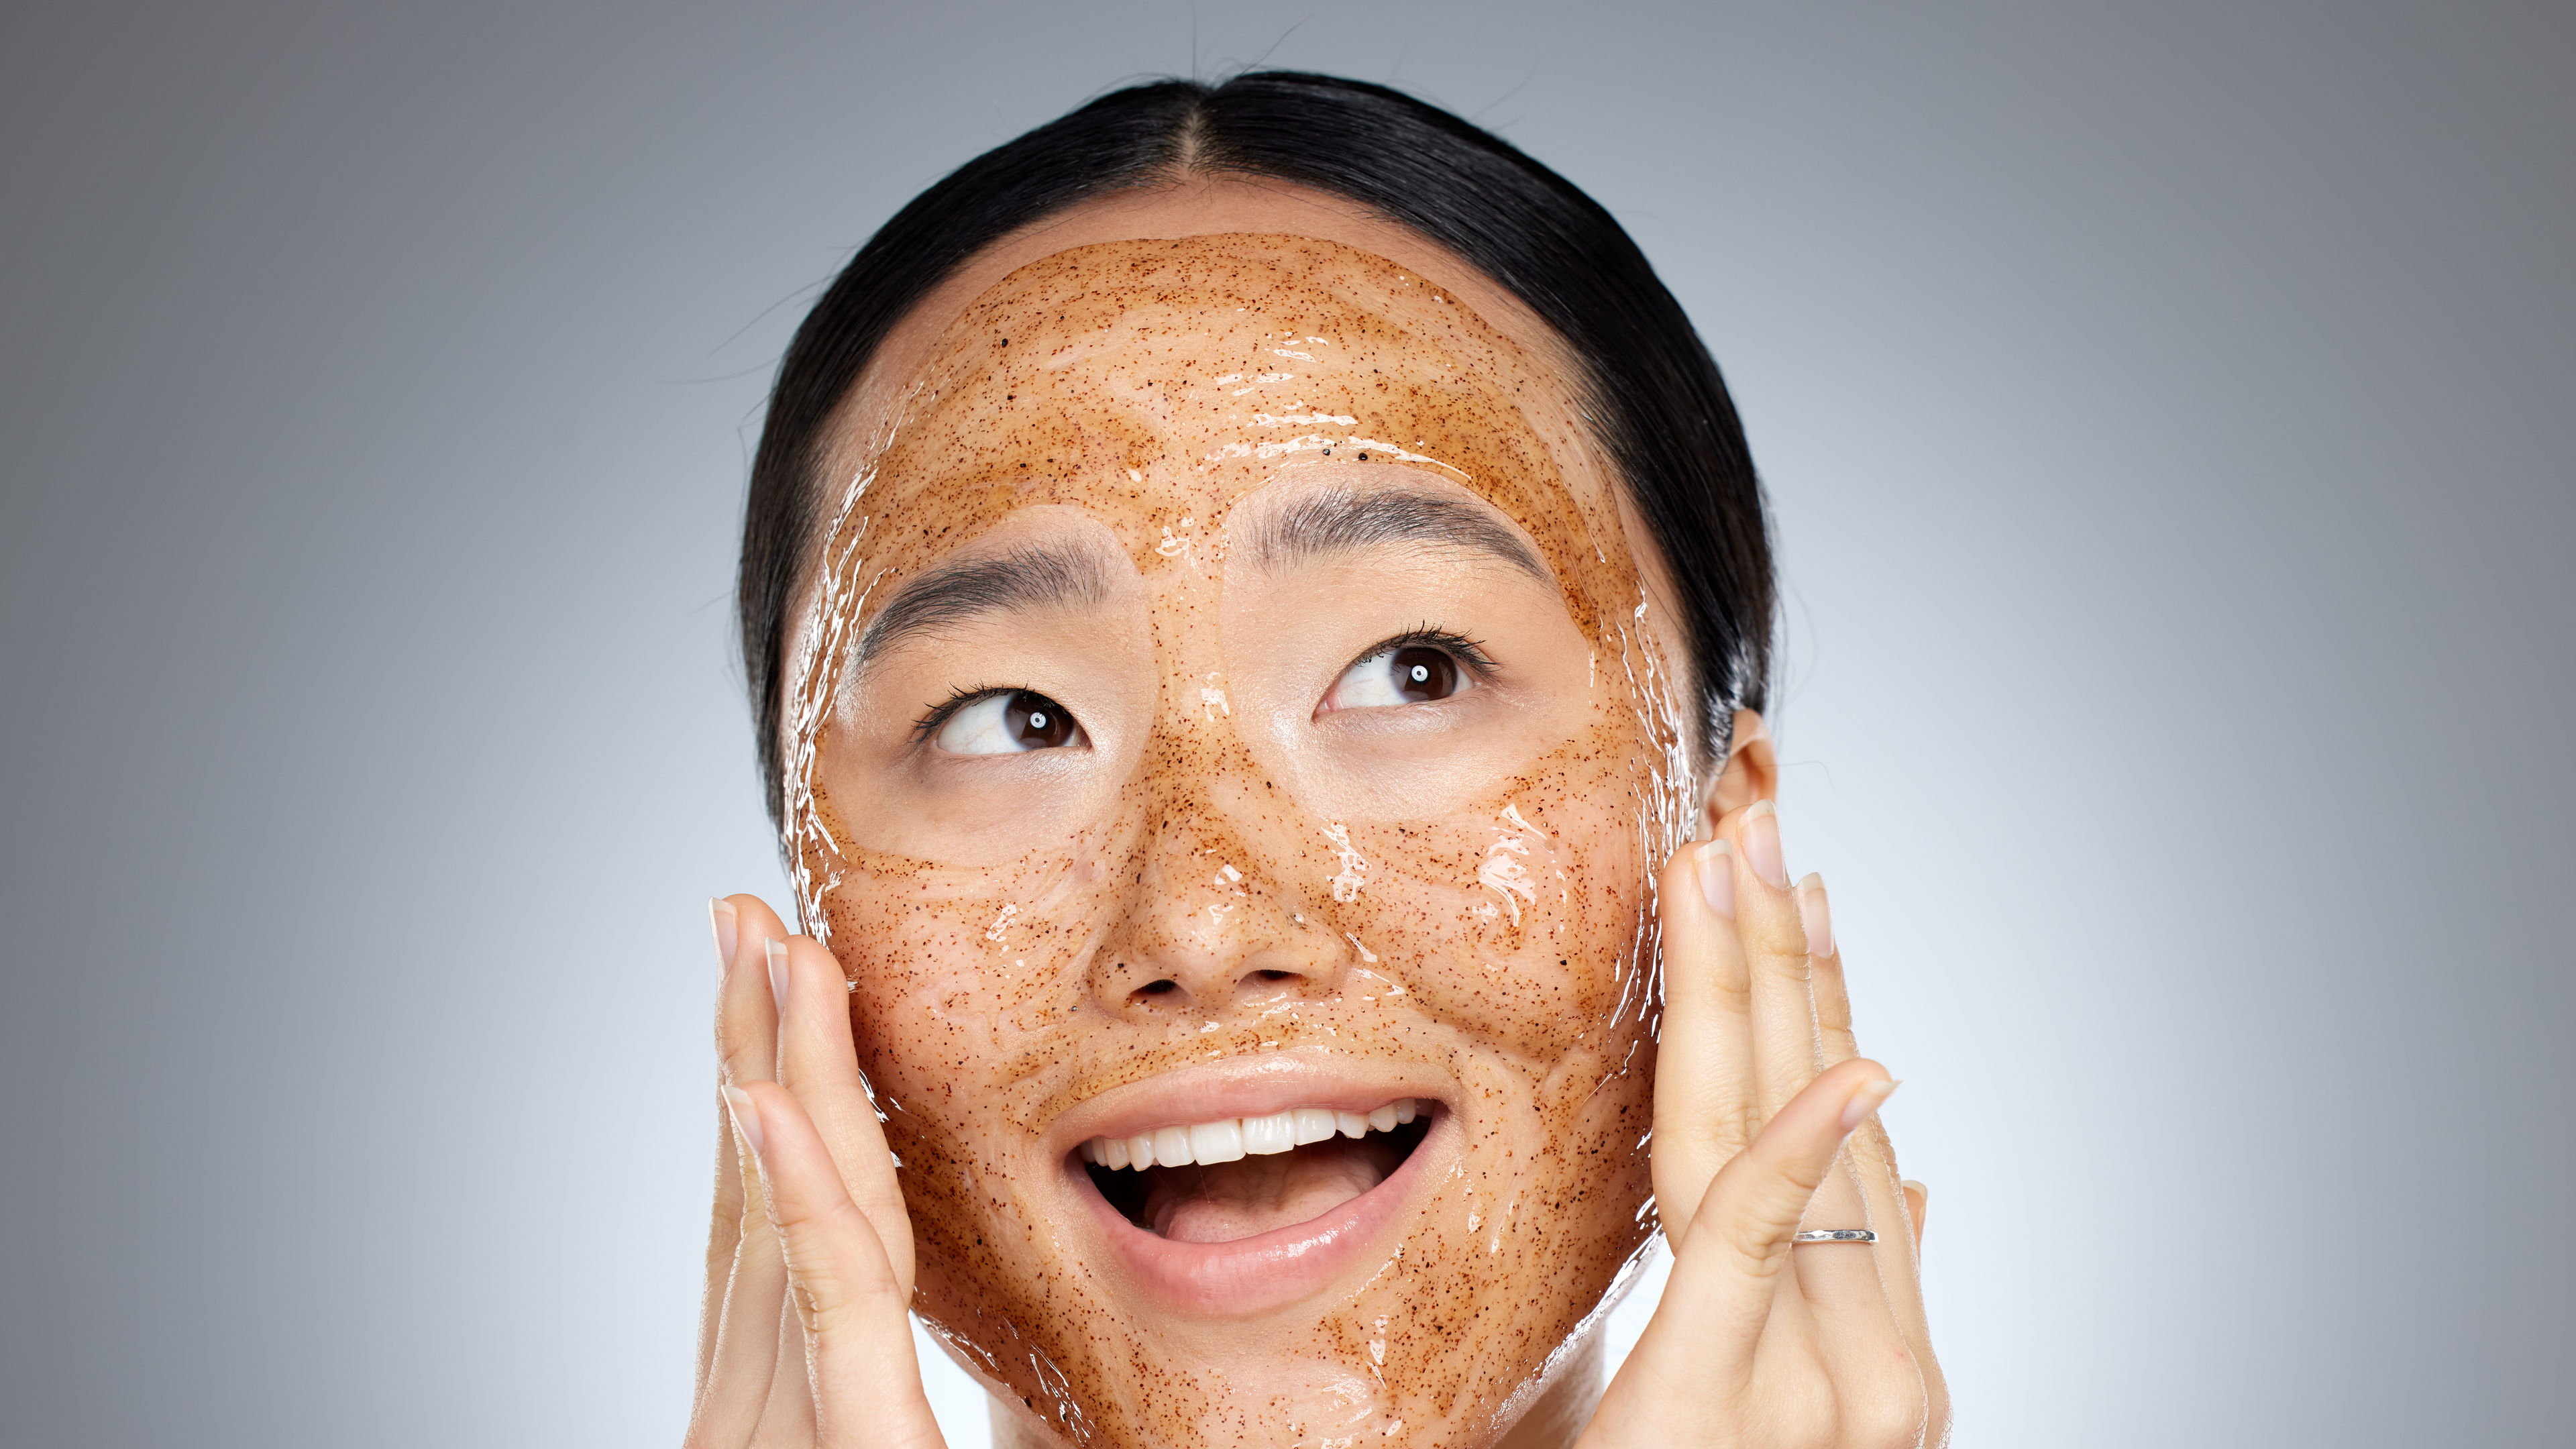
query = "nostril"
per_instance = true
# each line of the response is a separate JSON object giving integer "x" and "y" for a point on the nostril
{"x": 1256, "y": 985}
{"x": 1152, "y": 989}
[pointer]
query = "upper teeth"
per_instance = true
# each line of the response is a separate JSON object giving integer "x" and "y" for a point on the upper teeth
{"x": 1237, "y": 1136}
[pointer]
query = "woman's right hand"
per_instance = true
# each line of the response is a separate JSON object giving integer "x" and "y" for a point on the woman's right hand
{"x": 805, "y": 1334}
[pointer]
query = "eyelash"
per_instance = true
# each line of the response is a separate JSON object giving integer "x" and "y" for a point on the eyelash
{"x": 1467, "y": 652}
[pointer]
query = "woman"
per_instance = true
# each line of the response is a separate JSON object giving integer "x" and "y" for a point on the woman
{"x": 1258, "y": 610}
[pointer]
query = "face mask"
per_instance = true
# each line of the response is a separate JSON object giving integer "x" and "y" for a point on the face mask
{"x": 1226, "y": 726}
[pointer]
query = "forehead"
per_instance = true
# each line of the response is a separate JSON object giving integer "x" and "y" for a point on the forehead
{"x": 1151, "y": 380}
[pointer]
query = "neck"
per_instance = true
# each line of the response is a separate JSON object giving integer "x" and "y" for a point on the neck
{"x": 1554, "y": 1422}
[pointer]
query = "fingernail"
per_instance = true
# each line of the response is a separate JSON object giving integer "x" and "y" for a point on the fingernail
{"x": 725, "y": 919}
{"x": 1716, "y": 865}
{"x": 1865, "y": 1101}
{"x": 1815, "y": 916}
{"x": 778, "y": 976}
{"x": 1762, "y": 844}
{"x": 746, "y": 1115}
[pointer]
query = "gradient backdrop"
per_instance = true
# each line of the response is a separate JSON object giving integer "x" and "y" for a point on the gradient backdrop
{"x": 2169, "y": 411}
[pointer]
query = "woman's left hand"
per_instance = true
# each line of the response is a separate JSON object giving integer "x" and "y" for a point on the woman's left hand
{"x": 1765, "y": 1126}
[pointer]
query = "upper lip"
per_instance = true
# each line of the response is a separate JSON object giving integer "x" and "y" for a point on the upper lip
{"x": 1243, "y": 1087}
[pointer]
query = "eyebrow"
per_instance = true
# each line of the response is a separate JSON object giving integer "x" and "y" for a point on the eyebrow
{"x": 1327, "y": 524}
{"x": 1024, "y": 580}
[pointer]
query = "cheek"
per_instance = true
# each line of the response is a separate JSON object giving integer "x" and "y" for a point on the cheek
{"x": 965, "y": 987}
{"x": 955, "y": 969}
{"x": 1520, "y": 923}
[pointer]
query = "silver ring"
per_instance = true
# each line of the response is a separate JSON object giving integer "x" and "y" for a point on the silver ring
{"x": 1837, "y": 1235}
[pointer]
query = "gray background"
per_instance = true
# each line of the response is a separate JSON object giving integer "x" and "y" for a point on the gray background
{"x": 2168, "y": 409}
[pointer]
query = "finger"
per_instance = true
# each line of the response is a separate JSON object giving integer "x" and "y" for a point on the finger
{"x": 855, "y": 1316}
{"x": 1895, "y": 1212}
{"x": 724, "y": 1245}
{"x": 746, "y": 1011}
{"x": 724, "y": 1222}
{"x": 1859, "y": 1193}
{"x": 788, "y": 1417}
{"x": 1703, "y": 1062}
{"x": 1873, "y": 1189}
{"x": 1872, "y": 1156}
{"x": 1825, "y": 983}
{"x": 1848, "y": 1296}
{"x": 1783, "y": 1012}
{"x": 1725, "y": 1278}
{"x": 744, "y": 1358}
{"x": 1850, "y": 1292}
{"x": 724, "y": 1234}
{"x": 746, "y": 1349}
{"x": 819, "y": 1062}
{"x": 1843, "y": 1285}
{"x": 1918, "y": 1201}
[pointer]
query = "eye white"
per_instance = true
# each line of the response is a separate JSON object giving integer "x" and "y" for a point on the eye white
{"x": 1369, "y": 684}
{"x": 1008, "y": 724}
{"x": 980, "y": 729}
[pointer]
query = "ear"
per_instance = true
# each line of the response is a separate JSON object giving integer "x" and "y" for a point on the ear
{"x": 1751, "y": 772}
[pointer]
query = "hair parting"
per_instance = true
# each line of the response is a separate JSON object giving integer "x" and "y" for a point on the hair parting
{"x": 1653, "y": 394}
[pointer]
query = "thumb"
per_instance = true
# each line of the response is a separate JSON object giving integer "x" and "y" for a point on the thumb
{"x": 858, "y": 1331}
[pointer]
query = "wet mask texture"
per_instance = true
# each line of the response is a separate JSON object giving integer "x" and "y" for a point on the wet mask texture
{"x": 1141, "y": 474}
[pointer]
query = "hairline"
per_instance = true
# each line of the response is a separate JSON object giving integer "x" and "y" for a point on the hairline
{"x": 1702, "y": 730}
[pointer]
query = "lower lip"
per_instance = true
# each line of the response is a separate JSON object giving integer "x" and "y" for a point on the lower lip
{"x": 1271, "y": 1270}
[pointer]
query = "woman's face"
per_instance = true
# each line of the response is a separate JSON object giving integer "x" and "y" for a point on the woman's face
{"x": 1227, "y": 725}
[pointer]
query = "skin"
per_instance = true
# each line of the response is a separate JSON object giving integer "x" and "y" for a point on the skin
{"x": 1457, "y": 898}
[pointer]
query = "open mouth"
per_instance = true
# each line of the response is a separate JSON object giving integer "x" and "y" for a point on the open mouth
{"x": 1240, "y": 1177}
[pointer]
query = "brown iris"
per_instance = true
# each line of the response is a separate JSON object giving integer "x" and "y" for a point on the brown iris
{"x": 1423, "y": 674}
{"x": 1036, "y": 722}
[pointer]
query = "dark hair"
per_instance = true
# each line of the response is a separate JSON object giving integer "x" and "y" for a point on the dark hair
{"x": 1654, "y": 396}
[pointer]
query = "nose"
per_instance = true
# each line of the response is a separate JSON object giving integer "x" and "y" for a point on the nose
{"x": 1207, "y": 932}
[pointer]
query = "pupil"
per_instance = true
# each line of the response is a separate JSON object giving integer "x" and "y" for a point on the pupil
{"x": 1036, "y": 721}
{"x": 1425, "y": 674}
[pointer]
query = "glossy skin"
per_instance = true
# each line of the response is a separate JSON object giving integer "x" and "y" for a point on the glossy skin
{"x": 1253, "y": 875}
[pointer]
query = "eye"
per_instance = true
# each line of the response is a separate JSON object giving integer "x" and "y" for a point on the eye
{"x": 1410, "y": 673}
{"x": 1007, "y": 722}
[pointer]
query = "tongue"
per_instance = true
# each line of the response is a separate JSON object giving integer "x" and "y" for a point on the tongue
{"x": 1252, "y": 1195}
